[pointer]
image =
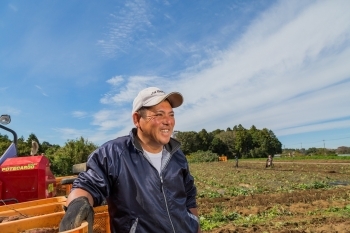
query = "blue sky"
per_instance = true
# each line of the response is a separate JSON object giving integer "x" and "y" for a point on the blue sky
{"x": 72, "y": 68}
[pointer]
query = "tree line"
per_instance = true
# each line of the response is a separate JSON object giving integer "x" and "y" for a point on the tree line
{"x": 62, "y": 158}
{"x": 316, "y": 151}
{"x": 238, "y": 141}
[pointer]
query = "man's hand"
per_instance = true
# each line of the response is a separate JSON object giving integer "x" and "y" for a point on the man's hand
{"x": 78, "y": 210}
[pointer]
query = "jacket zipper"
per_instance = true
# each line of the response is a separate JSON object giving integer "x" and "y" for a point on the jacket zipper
{"x": 162, "y": 190}
{"x": 166, "y": 203}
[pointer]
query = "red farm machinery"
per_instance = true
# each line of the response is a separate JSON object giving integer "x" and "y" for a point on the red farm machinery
{"x": 31, "y": 196}
{"x": 23, "y": 178}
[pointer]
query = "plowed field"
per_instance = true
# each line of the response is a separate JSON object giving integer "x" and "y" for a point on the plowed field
{"x": 297, "y": 196}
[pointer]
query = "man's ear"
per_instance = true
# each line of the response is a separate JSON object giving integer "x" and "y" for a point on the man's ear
{"x": 136, "y": 119}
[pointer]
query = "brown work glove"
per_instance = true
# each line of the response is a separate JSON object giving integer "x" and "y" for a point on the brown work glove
{"x": 78, "y": 210}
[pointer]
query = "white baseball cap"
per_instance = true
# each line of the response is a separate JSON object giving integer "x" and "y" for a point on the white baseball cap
{"x": 153, "y": 95}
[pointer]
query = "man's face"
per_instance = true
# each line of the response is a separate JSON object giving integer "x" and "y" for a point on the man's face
{"x": 156, "y": 126}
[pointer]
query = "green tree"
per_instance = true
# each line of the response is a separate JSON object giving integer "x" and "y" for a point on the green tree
{"x": 190, "y": 141}
{"x": 254, "y": 134}
{"x": 51, "y": 150}
{"x": 73, "y": 152}
{"x": 275, "y": 144}
{"x": 4, "y": 138}
{"x": 218, "y": 146}
{"x": 228, "y": 139}
{"x": 22, "y": 147}
{"x": 205, "y": 139}
{"x": 4, "y": 143}
{"x": 243, "y": 141}
{"x": 45, "y": 146}
{"x": 3, "y": 146}
{"x": 267, "y": 143}
{"x": 215, "y": 132}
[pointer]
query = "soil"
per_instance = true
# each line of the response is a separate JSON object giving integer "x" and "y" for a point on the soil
{"x": 11, "y": 218}
{"x": 298, "y": 211}
{"x": 41, "y": 230}
{"x": 299, "y": 204}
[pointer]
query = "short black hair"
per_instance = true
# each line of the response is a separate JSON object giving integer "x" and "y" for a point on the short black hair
{"x": 142, "y": 111}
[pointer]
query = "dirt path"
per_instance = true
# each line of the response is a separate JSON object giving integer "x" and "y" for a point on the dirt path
{"x": 307, "y": 162}
{"x": 312, "y": 163}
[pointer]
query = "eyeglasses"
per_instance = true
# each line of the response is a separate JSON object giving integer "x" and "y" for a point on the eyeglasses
{"x": 159, "y": 117}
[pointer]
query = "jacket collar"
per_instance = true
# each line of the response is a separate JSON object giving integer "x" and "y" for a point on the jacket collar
{"x": 171, "y": 147}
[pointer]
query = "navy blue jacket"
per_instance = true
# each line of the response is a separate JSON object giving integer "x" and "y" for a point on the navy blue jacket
{"x": 140, "y": 199}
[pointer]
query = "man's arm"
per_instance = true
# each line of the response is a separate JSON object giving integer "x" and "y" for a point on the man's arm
{"x": 194, "y": 211}
{"x": 78, "y": 192}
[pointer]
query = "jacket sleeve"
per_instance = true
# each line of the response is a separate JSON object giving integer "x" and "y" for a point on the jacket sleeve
{"x": 95, "y": 179}
{"x": 190, "y": 187}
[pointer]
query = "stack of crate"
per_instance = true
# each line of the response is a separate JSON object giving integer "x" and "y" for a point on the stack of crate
{"x": 46, "y": 213}
{"x": 223, "y": 158}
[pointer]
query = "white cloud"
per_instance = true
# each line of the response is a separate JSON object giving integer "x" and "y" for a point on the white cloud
{"x": 124, "y": 24}
{"x": 71, "y": 134}
{"x": 115, "y": 80}
{"x": 111, "y": 119}
{"x": 9, "y": 110}
{"x": 79, "y": 114}
{"x": 285, "y": 70}
{"x": 41, "y": 90}
{"x": 129, "y": 91}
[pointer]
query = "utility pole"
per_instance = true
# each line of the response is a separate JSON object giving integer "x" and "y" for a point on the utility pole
{"x": 324, "y": 147}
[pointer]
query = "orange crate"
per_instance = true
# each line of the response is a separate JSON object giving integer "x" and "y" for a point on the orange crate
{"x": 52, "y": 220}
{"x": 63, "y": 189}
{"x": 49, "y": 220}
{"x": 51, "y": 200}
{"x": 101, "y": 220}
{"x": 33, "y": 210}
{"x": 82, "y": 229}
{"x": 43, "y": 221}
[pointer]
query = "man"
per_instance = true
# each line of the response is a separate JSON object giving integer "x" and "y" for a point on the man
{"x": 236, "y": 159}
{"x": 269, "y": 162}
{"x": 144, "y": 177}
